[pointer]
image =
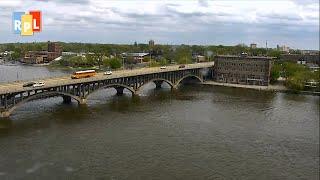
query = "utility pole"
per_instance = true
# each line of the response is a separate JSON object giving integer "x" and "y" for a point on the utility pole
{"x": 266, "y": 47}
{"x": 122, "y": 61}
{"x": 150, "y": 58}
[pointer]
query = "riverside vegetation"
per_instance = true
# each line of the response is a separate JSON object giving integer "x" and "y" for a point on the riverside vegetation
{"x": 295, "y": 75}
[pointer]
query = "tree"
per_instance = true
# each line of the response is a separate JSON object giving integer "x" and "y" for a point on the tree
{"x": 115, "y": 63}
{"x": 16, "y": 55}
{"x": 98, "y": 54}
{"x": 147, "y": 59}
{"x": 153, "y": 63}
{"x": 183, "y": 55}
{"x": 297, "y": 75}
{"x": 90, "y": 60}
{"x": 163, "y": 62}
{"x": 275, "y": 53}
{"x": 275, "y": 72}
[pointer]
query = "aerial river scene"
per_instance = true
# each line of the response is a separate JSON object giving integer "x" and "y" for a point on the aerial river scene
{"x": 159, "y": 90}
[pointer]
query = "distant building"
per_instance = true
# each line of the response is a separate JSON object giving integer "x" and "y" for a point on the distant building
{"x": 253, "y": 46}
{"x": 313, "y": 67}
{"x": 310, "y": 52}
{"x": 283, "y": 48}
{"x": 251, "y": 70}
{"x": 200, "y": 58}
{"x": 151, "y": 43}
{"x": 301, "y": 62}
{"x": 38, "y": 57}
{"x": 308, "y": 58}
{"x": 54, "y": 47}
{"x": 134, "y": 57}
{"x": 69, "y": 53}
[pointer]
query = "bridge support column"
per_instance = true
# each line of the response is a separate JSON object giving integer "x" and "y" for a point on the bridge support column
{"x": 66, "y": 99}
{"x": 119, "y": 91}
{"x": 158, "y": 84}
{"x": 4, "y": 114}
{"x": 82, "y": 101}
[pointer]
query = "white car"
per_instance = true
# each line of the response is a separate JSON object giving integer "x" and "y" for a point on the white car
{"x": 107, "y": 73}
{"x": 38, "y": 84}
{"x": 163, "y": 67}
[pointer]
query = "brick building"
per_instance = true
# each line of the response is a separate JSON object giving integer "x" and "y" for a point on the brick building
{"x": 134, "y": 57}
{"x": 253, "y": 46}
{"x": 37, "y": 57}
{"x": 251, "y": 70}
{"x": 55, "y": 48}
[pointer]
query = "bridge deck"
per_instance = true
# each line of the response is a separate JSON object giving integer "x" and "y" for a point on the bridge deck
{"x": 14, "y": 87}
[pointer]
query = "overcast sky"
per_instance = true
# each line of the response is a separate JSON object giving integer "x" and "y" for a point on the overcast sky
{"x": 286, "y": 22}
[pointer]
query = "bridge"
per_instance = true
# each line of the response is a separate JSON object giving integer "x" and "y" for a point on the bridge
{"x": 13, "y": 95}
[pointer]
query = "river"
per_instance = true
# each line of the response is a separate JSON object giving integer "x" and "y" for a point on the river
{"x": 197, "y": 132}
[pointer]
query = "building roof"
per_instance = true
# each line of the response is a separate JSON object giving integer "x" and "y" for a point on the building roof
{"x": 311, "y": 65}
{"x": 135, "y": 54}
{"x": 245, "y": 57}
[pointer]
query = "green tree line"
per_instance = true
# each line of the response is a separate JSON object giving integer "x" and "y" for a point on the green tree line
{"x": 172, "y": 53}
{"x": 296, "y": 75}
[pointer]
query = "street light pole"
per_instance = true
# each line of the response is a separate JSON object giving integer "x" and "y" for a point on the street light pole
{"x": 122, "y": 63}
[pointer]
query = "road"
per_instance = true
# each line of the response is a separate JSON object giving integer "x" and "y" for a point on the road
{"x": 57, "y": 81}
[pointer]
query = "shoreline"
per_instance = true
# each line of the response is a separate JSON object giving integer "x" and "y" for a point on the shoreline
{"x": 272, "y": 88}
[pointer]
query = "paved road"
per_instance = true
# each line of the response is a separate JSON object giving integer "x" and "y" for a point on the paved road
{"x": 57, "y": 81}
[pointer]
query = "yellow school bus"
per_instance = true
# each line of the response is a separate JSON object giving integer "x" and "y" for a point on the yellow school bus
{"x": 83, "y": 74}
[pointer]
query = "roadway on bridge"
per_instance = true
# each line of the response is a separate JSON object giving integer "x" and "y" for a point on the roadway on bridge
{"x": 59, "y": 81}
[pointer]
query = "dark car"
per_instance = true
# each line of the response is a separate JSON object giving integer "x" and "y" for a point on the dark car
{"x": 28, "y": 84}
{"x": 182, "y": 66}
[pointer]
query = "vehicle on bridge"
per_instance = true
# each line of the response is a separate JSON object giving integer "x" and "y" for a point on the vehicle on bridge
{"x": 107, "y": 73}
{"x": 163, "y": 67}
{"x": 28, "y": 84}
{"x": 83, "y": 74}
{"x": 38, "y": 84}
{"x": 34, "y": 84}
{"x": 182, "y": 66}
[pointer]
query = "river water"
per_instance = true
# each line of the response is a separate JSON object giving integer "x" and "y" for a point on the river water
{"x": 197, "y": 132}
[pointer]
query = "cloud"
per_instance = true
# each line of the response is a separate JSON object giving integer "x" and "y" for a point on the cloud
{"x": 203, "y": 3}
{"x": 65, "y": 2}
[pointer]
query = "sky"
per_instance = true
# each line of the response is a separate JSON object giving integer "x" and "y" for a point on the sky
{"x": 294, "y": 23}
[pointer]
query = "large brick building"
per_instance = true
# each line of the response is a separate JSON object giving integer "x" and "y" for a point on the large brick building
{"x": 251, "y": 70}
{"x": 38, "y": 57}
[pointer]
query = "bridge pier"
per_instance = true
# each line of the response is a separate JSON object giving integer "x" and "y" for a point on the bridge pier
{"x": 119, "y": 91}
{"x": 158, "y": 83}
{"x": 4, "y": 114}
{"x": 66, "y": 99}
{"x": 82, "y": 101}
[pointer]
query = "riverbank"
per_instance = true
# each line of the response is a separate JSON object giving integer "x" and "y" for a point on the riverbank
{"x": 274, "y": 88}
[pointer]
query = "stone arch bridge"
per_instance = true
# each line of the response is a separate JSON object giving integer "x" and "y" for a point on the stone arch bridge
{"x": 13, "y": 95}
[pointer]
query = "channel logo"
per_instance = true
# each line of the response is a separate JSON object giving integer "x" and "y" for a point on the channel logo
{"x": 27, "y": 23}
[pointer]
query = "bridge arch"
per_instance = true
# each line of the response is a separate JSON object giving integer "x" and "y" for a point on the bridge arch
{"x": 154, "y": 80}
{"x": 188, "y": 76}
{"x": 39, "y": 96}
{"x": 112, "y": 86}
